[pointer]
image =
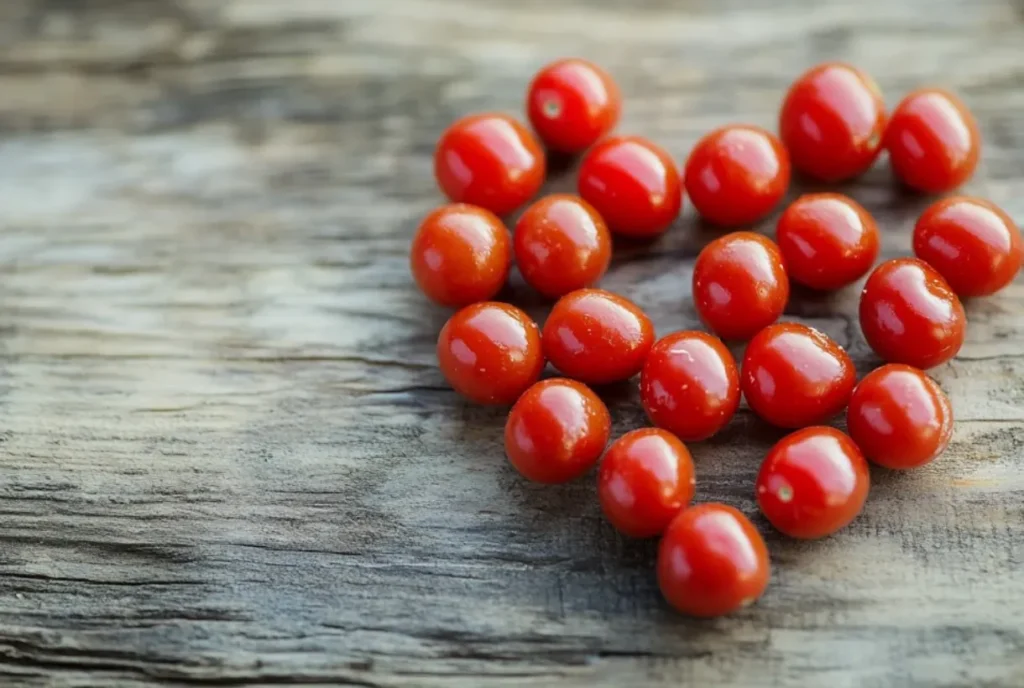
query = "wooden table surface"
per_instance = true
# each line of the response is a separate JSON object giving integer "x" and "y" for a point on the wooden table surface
{"x": 227, "y": 456}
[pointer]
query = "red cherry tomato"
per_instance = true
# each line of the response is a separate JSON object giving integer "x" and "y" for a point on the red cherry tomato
{"x": 740, "y": 285}
{"x": 794, "y": 376}
{"x": 489, "y": 160}
{"x": 736, "y": 175}
{"x": 572, "y": 103}
{"x": 690, "y": 385}
{"x": 827, "y": 240}
{"x": 556, "y": 431}
{"x": 597, "y": 337}
{"x": 899, "y": 417}
{"x": 634, "y": 184}
{"x": 972, "y": 243}
{"x": 812, "y": 483}
{"x": 832, "y": 122}
{"x": 490, "y": 352}
{"x": 645, "y": 479}
{"x": 712, "y": 561}
{"x": 933, "y": 141}
{"x": 910, "y": 315}
{"x": 561, "y": 244}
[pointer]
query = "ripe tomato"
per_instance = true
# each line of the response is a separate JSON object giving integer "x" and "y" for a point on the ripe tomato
{"x": 812, "y": 483}
{"x": 910, "y": 315}
{"x": 561, "y": 244}
{"x": 899, "y": 417}
{"x": 645, "y": 479}
{"x": 690, "y": 385}
{"x": 556, "y": 431}
{"x": 832, "y": 122}
{"x": 712, "y": 561}
{"x": 572, "y": 103}
{"x": 827, "y": 240}
{"x": 740, "y": 285}
{"x": 794, "y": 376}
{"x": 489, "y": 160}
{"x": 490, "y": 352}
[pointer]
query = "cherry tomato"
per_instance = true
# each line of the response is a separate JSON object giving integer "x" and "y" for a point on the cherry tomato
{"x": 740, "y": 285}
{"x": 899, "y": 417}
{"x": 597, "y": 337}
{"x": 690, "y": 385}
{"x": 556, "y": 431}
{"x": 490, "y": 352}
{"x": 572, "y": 103}
{"x": 933, "y": 141}
{"x": 634, "y": 184}
{"x": 712, "y": 561}
{"x": 910, "y": 315}
{"x": 812, "y": 483}
{"x": 827, "y": 240}
{"x": 972, "y": 243}
{"x": 736, "y": 175}
{"x": 489, "y": 160}
{"x": 561, "y": 244}
{"x": 794, "y": 376}
{"x": 832, "y": 122}
{"x": 645, "y": 479}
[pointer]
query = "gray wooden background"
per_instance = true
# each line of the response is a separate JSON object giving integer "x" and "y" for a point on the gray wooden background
{"x": 227, "y": 457}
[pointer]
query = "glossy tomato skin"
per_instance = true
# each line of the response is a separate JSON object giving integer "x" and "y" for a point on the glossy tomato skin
{"x": 794, "y": 376}
{"x": 909, "y": 314}
{"x": 899, "y": 417}
{"x": 572, "y": 103}
{"x": 736, "y": 175}
{"x": 597, "y": 337}
{"x": 561, "y": 244}
{"x": 740, "y": 284}
{"x": 633, "y": 184}
{"x": 832, "y": 122}
{"x": 690, "y": 385}
{"x": 933, "y": 141}
{"x": 812, "y": 483}
{"x": 489, "y": 160}
{"x": 712, "y": 561}
{"x": 490, "y": 352}
{"x": 556, "y": 431}
{"x": 827, "y": 240}
{"x": 645, "y": 479}
{"x": 971, "y": 242}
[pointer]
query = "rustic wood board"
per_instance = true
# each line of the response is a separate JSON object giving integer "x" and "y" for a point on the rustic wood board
{"x": 227, "y": 457}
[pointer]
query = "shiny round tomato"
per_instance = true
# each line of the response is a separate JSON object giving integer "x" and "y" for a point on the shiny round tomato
{"x": 634, "y": 184}
{"x": 489, "y": 160}
{"x": 556, "y": 431}
{"x": 690, "y": 385}
{"x": 812, "y": 483}
{"x": 572, "y": 103}
{"x": 933, "y": 141}
{"x": 740, "y": 285}
{"x": 561, "y": 244}
{"x": 827, "y": 240}
{"x": 490, "y": 352}
{"x": 712, "y": 561}
{"x": 909, "y": 314}
{"x": 794, "y": 376}
{"x": 736, "y": 175}
{"x": 645, "y": 479}
{"x": 899, "y": 417}
{"x": 972, "y": 243}
{"x": 597, "y": 337}
{"x": 832, "y": 122}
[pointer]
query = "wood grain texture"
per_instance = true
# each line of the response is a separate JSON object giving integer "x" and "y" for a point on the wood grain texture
{"x": 227, "y": 457}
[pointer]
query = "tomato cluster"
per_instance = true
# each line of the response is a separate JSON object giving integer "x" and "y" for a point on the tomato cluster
{"x": 833, "y": 126}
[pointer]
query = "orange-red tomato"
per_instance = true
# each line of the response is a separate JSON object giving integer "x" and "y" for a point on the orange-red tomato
{"x": 572, "y": 103}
